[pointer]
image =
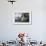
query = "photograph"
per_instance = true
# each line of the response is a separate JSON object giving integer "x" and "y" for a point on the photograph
{"x": 22, "y": 18}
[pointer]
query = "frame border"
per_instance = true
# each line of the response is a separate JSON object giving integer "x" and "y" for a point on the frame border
{"x": 26, "y": 24}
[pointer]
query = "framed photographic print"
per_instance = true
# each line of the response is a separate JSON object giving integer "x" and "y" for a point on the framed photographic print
{"x": 23, "y": 17}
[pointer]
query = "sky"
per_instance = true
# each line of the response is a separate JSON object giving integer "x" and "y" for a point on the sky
{"x": 37, "y": 30}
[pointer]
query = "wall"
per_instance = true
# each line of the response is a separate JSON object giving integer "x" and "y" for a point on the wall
{"x": 9, "y": 31}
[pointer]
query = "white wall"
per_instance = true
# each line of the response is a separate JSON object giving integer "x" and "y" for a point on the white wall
{"x": 9, "y": 31}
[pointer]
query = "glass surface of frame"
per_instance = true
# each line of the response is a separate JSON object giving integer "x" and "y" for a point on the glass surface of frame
{"x": 23, "y": 17}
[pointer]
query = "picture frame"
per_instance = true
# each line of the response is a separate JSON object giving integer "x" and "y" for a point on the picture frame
{"x": 22, "y": 18}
